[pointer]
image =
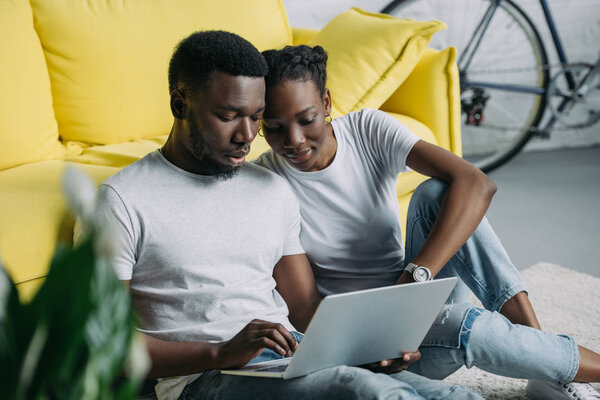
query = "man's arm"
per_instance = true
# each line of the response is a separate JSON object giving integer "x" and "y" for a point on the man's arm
{"x": 466, "y": 201}
{"x": 185, "y": 358}
{"x": 296, "y": 284}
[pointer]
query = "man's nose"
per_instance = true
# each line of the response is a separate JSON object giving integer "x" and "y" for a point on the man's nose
{"x": 246, "y": 131}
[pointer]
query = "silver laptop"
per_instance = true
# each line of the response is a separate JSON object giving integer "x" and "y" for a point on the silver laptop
{"x": 361, "y": 327}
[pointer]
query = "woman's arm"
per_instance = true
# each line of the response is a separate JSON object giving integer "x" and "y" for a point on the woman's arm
{"x": 465, "y": 203}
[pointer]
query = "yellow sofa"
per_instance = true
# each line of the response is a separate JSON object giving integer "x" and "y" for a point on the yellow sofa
{"x": 86, "y": 83}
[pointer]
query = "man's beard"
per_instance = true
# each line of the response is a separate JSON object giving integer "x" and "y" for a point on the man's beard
{"x": 207, "y": 162}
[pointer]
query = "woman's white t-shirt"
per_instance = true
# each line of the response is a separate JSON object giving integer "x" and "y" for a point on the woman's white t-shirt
{"x": 350, "y": 220}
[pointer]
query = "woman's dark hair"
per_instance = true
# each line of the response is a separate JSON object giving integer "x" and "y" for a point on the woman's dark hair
{"x": 199, "y": 55}
{"x": 297, "y": 63}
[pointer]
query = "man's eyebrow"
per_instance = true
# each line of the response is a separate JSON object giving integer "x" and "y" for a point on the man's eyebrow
{"x": 230, "y": 108}
{"x": 239, "y": 110}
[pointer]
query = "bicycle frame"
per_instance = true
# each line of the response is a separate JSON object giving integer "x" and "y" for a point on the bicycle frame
{"x": 467, "y": 56}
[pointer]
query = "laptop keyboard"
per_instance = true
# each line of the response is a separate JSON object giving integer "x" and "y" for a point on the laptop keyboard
{"x": 277, "y": 368}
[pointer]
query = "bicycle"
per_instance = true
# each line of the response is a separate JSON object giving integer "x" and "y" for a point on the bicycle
{"x": 505, "y": 81}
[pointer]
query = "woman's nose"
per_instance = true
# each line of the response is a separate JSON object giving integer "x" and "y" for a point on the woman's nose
{"x": 294, "y": 138}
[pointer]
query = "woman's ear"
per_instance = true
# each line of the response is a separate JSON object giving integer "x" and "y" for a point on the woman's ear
{"x": 178, "y": 104}
{"x": 327, "y": 102}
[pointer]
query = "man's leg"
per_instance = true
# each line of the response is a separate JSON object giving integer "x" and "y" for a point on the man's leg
{"x": 482, "y": 263}
{"x": 331, "y": 384}
{"x": 435, "y": 389}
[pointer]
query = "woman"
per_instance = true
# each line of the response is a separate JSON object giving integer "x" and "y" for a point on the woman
{"x": 344, "y": 173}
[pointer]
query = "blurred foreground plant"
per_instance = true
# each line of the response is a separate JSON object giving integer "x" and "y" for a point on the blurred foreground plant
{"x": 76, "y": 339}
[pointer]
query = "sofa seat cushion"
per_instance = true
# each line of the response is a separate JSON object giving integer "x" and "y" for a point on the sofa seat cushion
{"x": 118, "y": 155}
{"x": 370, "y": 55}
{"x": 28, "y": 129}
{"x": 108, "y": 60}
{"x": 121, "y": 155}
{"x": 34, "y": 218}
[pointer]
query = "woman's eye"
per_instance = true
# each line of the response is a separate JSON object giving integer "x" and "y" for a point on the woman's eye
{"x": 307, "y": 122}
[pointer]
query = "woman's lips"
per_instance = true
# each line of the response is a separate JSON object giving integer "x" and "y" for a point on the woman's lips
{"x": 299, "y": 157}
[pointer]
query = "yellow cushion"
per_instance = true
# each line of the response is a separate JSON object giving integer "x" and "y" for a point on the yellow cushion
{"x": 303, "y": 35}
{"x": 416, "y": 127}
{"x": 34, "y": 217}
{"x": 108, "y": 60}
{"x": 370, "y": 55}
{"x": 408, "y": 182}
{"x": 28, "y": 130}
{"x": 431, "y": 95}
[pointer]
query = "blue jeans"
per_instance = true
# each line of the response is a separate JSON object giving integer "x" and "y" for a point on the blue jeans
{"x": 331, "y": 383}
{"x": 464, "y": 335}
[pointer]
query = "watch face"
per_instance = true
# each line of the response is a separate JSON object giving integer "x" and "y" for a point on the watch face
{"x": 421, "y": 274}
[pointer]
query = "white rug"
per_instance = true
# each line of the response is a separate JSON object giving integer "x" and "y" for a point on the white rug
{"x": 566, "y": 302}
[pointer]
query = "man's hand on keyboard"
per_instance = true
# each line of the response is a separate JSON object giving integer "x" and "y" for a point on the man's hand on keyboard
{"x": 252, "y": 340}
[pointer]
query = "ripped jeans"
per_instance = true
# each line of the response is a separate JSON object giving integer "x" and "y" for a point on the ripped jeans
{"x": 465, "y": 335}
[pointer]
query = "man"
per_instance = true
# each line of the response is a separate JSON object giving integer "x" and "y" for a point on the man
{"x": 211, "y": 249}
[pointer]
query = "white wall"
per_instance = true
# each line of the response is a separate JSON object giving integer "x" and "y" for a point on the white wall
{"x": 578, "y": 24}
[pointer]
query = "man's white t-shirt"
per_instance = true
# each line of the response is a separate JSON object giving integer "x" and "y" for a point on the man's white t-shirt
{"x": 199, "y": 252}
{"x": 350, "y": 219}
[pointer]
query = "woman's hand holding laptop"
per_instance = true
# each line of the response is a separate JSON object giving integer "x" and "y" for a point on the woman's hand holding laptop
{"x": 394, "y": 365}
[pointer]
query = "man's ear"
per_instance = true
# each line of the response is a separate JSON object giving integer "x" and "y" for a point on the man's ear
{"x": 327, "y": 102}
{"x": 178, "y": 104}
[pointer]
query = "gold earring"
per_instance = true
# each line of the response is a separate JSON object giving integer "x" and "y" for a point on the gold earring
{"x": 260, "y": 132}
{"x": 328, "y": 121}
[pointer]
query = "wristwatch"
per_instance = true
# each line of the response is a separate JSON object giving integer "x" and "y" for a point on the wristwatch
{"x": 419, "y": 272}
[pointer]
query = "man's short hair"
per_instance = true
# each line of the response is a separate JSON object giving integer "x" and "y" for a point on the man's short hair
{"x": 198, "y": 56}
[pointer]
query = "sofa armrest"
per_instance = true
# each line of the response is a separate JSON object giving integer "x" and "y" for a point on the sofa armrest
{"x": 302, "y": 35}
{"x": 431, "y": 95}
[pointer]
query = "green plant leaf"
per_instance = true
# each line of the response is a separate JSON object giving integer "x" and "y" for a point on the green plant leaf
{"x": 10, "y": 312}
{"x": 87, "y": 313}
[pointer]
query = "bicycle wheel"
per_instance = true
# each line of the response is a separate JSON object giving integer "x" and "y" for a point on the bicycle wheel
{"x": 503, "y": 73}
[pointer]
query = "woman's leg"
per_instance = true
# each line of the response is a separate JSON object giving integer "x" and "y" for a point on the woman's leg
{"x": 464, "y": 335}
{"x": 484, "y": 266}
{"x": 589, "y": 366}
{"x": 482, "y": 263}
{"x": 518, "y": 310}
